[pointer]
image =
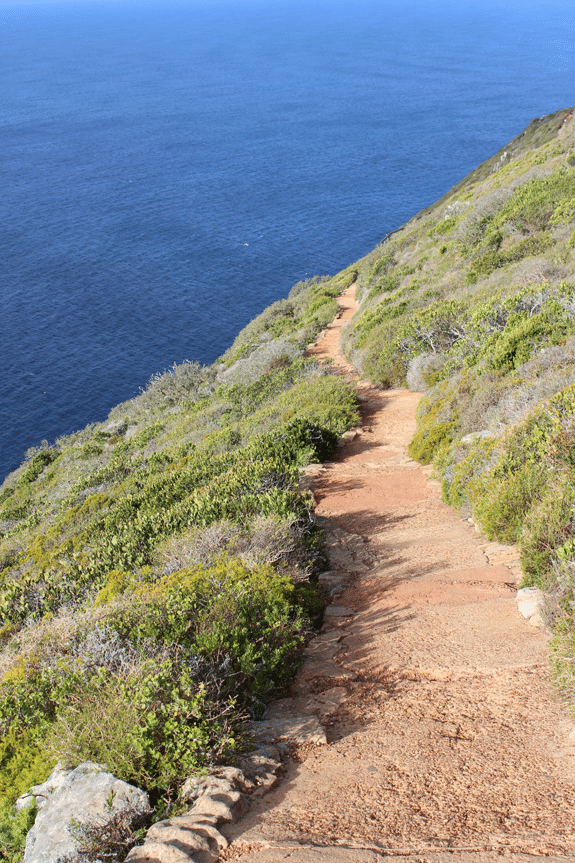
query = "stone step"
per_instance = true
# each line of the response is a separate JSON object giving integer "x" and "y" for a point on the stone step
{"x": 299, "y": 728}
{"x": 339, "y": 611}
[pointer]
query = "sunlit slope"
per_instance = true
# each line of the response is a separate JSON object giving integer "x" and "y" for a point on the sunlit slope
{"x": 158, "y": 570}
{"x": 473, "y": 302}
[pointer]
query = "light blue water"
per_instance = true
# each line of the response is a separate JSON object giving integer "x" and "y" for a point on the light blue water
{"x": 169, "y": 169}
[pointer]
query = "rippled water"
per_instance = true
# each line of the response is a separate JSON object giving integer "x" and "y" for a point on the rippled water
{"x": 169, "y": 169}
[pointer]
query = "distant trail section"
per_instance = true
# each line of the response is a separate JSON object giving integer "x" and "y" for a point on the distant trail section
{"x": 445, "y": 738}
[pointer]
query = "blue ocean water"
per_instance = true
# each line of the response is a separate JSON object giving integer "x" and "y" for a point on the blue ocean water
{"x": 169, "y": 169}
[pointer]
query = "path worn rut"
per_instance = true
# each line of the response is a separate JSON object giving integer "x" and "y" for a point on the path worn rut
{"x": 446, "y": 741}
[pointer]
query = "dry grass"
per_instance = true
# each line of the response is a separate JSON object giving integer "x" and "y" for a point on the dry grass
{"x": 268, "y": 540}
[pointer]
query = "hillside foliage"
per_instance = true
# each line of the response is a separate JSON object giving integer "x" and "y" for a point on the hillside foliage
{"x": 158, "y": 571}
{"x": 472, "y": 302}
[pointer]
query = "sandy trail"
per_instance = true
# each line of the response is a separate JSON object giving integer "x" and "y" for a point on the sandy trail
{"x": 446, "y": 741}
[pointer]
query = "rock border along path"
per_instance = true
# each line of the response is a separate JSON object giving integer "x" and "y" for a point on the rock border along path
{"x": 423, "y": 724}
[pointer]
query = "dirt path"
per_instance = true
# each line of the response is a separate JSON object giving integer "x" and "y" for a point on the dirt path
{"x": 446, "y": 741}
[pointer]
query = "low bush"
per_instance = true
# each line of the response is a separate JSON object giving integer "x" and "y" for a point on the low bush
{"x": 534, "y": 204}
{"x": 436, "y": 424}
{"x": 424, "y": 371}
{"x": 182, "y": 383}
{"x": 155, "y": 682}
{"x": 248, "y": 371}
{"x": 493, "y": 259}
{"x": 112, "y": 839}
{"x": 23, "y": 763}
{"x": 13, "y": 831}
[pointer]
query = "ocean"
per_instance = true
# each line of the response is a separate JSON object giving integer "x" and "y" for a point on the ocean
{"x": 169, "y": 169}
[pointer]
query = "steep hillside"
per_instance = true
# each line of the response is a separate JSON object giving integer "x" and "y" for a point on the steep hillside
{"x": 473, "y": 302}
{"x": 157, "y": 570}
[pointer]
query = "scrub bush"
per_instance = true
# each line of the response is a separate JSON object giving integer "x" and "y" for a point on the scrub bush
{"x": 13, "y": 831}
{"x": 156, "y": 682}
{"x": 111, "y": 840}
{"x": 182, "y": 383}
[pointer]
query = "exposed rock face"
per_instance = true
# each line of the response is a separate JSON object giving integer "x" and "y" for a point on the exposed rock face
{"x": 87, "y": 794}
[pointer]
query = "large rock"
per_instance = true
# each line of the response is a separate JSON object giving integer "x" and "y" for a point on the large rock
{"x": 87, "y": 794}
{"x": 531, "y": 604}
{"x": 39, "y": 794}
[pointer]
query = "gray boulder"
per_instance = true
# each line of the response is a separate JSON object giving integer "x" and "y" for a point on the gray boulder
{"x": 88, "y": 795}
{"x": 39, "y": 794}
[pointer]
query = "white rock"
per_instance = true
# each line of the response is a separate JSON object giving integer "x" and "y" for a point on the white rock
{"x": 531, "y": 604}
{"x": 87, "y": 794}
{"x": 41, "y": 793}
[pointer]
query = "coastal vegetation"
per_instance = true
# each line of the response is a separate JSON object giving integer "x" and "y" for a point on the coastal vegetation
{"x": 158, "y": 571}
{"x": 472, "y": 302}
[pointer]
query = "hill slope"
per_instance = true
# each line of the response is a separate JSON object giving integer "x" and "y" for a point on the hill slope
{"x": 473, "y": 302}
{"x": 165, "y": 557}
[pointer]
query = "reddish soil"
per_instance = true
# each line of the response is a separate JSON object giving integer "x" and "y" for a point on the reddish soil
{"x": 449, "y": 742}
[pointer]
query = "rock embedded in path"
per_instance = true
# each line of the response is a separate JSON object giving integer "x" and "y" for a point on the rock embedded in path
{"x": 334, "y": 580}
{"x": 300, "y": 728}
{"x": 339, "y": 611}
{"x": 531, "y": 604}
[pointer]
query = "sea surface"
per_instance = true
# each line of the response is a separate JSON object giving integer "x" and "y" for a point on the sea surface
{"x": 169, "y": 169}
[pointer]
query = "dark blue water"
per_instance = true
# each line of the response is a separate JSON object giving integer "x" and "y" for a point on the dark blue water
{"x": 169, "y": 169}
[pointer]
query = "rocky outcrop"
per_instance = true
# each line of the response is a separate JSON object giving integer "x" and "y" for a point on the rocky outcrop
{"x": 85, "y": 795}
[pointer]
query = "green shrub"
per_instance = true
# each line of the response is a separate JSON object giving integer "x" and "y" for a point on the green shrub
{"x": 506, "y": 500}
{"x": 23, "y": 763}
{"x": 434, "y": 430}
{"x": 381, "y": 267}
{"x": 13, "y": 831}
{"x": 523, "y": 333}
{"x": 444, "y": 226}
{"x": 279, "y": 375}
{"x": 36, "y": 465}
{"x": 532, "y": 206}
{"x": 463, "y": 477}
{"x": 547, "y": 533}
{"x": 90, "y": 449}
{"x": 495, "y": 258}
{"x": 159, "y": 685}
{"x": 425, "y": 443}
{"x": 153, "y": 727}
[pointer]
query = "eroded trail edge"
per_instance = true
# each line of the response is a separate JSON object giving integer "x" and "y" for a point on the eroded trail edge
{"x": 442, "y": 735}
